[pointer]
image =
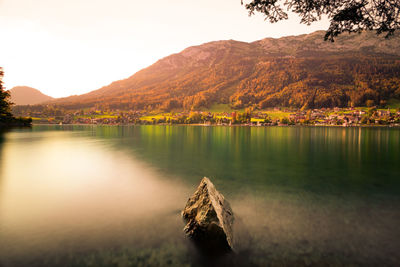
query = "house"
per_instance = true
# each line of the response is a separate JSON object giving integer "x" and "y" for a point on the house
{"x": 384, "y": 113}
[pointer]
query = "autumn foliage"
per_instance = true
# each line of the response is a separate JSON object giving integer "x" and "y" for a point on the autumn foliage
{"x": 298, "y": 71}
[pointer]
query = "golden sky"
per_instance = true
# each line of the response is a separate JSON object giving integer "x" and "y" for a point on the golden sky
{"x": 75, "y": 46}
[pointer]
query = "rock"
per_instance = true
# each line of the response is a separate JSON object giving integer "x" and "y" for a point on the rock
{"x": 209, "y": 219}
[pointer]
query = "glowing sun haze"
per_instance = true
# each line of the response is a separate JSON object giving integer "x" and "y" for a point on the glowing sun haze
{"x": 76, "y": 46}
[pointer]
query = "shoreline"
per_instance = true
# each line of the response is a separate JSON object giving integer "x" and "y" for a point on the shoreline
{"x": 214, "y": 125}
{"x": 15, "y": 124}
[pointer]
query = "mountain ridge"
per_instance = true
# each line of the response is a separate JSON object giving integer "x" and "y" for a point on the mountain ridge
{"x": 25, "y": 95}
{"x": 267, "y": 72}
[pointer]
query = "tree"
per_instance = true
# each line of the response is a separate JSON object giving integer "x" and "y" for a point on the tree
{"x": 369, "y": 103}
{"x": 284, "y": 120}
{"x": 383, "y": 16}
{"x": 6, "y": 118}
{"x": 5, "y": 104}
{"x": 194, "y": 117}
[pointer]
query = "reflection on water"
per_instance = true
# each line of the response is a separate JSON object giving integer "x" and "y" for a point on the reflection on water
{"x": 71, "y": 193}
{"x": 101, "y": 196}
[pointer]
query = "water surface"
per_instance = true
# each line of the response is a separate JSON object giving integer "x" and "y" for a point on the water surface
{"x": 112, "y": 196}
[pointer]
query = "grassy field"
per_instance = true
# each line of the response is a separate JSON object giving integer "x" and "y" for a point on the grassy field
{"x": 156, "y": 117}
{"x": 36, "y": 119}
{"x": 96, "y": 116}
{"x": 277, "y": 114}
{"x": 220, "y": 108}
{"x": 393, "y": 103}
{"x": 222, "y": 117}
{"x": 257, "y": 120}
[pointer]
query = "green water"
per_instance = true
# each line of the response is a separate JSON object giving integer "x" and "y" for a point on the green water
{"x": 111, "y": 196}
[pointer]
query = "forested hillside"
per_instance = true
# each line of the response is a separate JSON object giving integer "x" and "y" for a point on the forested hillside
{"x": 298, "y": 71}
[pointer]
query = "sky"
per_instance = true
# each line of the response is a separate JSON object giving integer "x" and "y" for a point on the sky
{"x": 72, "y": 47}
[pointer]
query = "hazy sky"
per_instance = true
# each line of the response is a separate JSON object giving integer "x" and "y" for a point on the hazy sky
{"x": 76, "y": 46}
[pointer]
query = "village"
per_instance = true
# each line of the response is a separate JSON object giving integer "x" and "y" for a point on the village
{"x": 247, "y": 117}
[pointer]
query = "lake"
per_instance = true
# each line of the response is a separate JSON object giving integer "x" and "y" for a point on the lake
{"x": 112, "y": 195}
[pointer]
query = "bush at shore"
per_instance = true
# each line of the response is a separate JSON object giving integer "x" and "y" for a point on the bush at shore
{"x": 12, "y": 121}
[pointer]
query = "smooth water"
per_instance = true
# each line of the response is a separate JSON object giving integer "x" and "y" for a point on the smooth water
{"x": 112, "y": 196}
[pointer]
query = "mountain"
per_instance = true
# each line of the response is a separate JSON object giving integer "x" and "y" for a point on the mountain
{"x": 24, "y": 95}
{"x": 295, "y": 71}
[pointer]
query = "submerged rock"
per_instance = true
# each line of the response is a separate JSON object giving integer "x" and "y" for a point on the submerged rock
{"x": 209, "y": 219}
